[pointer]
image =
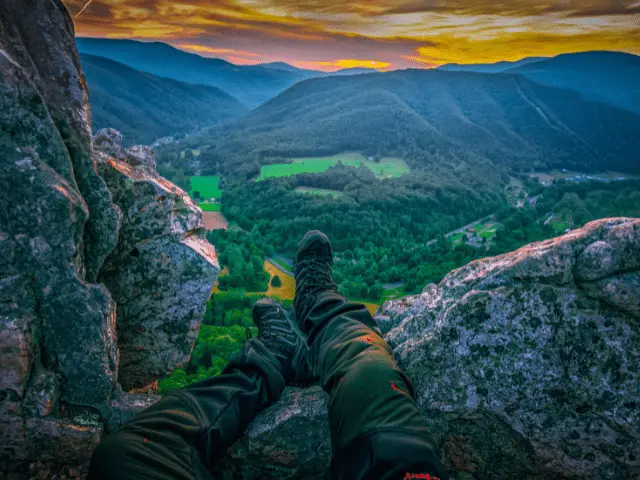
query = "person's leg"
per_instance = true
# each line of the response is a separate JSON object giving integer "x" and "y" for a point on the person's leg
{"x": 183, "y": 435}
{"x": 376, "y": 428}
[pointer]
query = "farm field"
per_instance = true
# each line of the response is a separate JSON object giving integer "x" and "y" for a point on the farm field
{"x": 210, "y": 207}
{"x": 385, "y": 168}
{"x": 207, "y": 187}
{"x": 486, "y": 231}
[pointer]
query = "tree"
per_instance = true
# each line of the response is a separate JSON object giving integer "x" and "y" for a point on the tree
{"x": 276, "y": 282}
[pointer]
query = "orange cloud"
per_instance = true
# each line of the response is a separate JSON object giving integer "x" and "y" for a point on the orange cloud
{"x": 216, "y": 51}
{"x": 325, "y": 34}
{"x": 516, "y": 46}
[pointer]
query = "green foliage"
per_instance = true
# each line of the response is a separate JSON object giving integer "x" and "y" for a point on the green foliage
{"x": 276, "y": 282}
{"x": 319, "y": 191}
{"x": 243, "y": 253}
{"x": 228, "y": 308}
{"x": 213, "y": 348}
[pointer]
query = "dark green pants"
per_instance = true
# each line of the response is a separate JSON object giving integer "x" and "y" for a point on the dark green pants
{"x": 376, "y": 428}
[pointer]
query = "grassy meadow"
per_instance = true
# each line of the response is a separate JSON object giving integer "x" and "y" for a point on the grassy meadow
{"x": 385, "y": 168}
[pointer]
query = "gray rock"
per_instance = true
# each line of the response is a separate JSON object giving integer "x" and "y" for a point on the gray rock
{"x": 58, "y": 223}
{"x": 141, "y": 155}
{"x": 161, "y": 274}
{"x": 542, "y": 343}
{"x": 289, "y": 440}
{"x": 109, "y": 141}
{"x": 124, "y": 406}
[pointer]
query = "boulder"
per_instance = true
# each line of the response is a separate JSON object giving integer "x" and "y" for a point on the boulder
{"x": 141, "y": 155}
{"x": 160, "y": 274}
{"x": 61, "y": 233}
{"x": 526, "y": 366}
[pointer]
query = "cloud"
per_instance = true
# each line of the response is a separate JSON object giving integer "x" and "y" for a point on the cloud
{"x": 401, "y": 33}
{"x": 515, "y": 7}
{"x": 520, "y": 45}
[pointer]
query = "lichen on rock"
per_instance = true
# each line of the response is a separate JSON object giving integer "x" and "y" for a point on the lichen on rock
{"x": 526, "y": 366}
{"x": 59, "y": 349}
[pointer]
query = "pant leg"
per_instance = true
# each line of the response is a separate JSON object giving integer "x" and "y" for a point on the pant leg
{"x": 376, "y": 428}
{"x": 183, "y": 435}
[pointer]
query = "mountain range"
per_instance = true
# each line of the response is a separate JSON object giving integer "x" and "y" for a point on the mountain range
{"x": 497, "y": 67}
{"x": 144, "y": 107}
{"x": 252, "y": 85}
{"x": 609, "y": 77}
{"x": 435, "y": 115}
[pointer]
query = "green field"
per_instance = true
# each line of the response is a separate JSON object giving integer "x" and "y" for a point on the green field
{"x": 209, "y": 207}
{"x": 385, "y": 168}
{"x": 322, "y": 192}
{"x": 486, "y": 230}
{"x": 208, "y": 187}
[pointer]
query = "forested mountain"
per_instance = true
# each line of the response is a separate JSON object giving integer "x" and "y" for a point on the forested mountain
{"x": 252, "y": 85}
{"x": 144, "y": 107}
{"x": 432, "y": 118}
{"x": 497, "y": 67}
{"x": 611, "y": 77}
{"x": 316, "y": 73}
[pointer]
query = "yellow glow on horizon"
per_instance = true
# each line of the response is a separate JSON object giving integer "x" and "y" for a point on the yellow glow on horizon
{"x": 343, "y": 63}
{"x": 216, "y": 51}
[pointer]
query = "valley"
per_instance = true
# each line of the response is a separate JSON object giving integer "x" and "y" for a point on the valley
{"x": 411, "y": 173}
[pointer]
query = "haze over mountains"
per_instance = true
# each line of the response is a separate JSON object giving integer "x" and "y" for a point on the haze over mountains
{"x": 144, "y": 107}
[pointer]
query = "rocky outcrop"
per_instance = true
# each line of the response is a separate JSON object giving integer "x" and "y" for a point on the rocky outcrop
{"x": 160, "y": 273}
{"x": 60, "y": 232}
{"x": 526, "y": 366}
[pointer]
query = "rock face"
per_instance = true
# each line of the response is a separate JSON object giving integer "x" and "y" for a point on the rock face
{"x": 526, "y": 365}
{"x": 60, "y": 232}
{"x": 160, "y": 273}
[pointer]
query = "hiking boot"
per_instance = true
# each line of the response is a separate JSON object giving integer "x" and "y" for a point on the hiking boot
{"x": 313, "y": 267}
{"x": 282, "y": 338}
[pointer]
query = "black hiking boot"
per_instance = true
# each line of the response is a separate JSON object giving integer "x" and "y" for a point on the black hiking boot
{"x": 282, "y": 337}
{"x": 313, "y": 267}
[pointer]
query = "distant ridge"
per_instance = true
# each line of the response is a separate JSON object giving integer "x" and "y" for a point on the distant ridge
{"x": 252, "y": 85}
{"x": 497, "y": 67}
{"x": 610, "y": 77}
{"x": 436, "y": 117}
{"x": 144, "y": 107}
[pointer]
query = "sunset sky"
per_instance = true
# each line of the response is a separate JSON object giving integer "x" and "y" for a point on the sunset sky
{"x": 389, "y": 34}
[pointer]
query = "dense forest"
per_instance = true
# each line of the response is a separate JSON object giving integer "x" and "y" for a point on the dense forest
{"x": 451, "y": 120}
{"x": 363, "y": 264}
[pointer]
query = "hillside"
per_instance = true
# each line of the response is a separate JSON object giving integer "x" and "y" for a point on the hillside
{"x": 497, "y": 67}
{"x": 611, "y": 77}
{"x": 252, "y": 85}
{"x": 431, "y": 117}
{"x": 145, "y": 107}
